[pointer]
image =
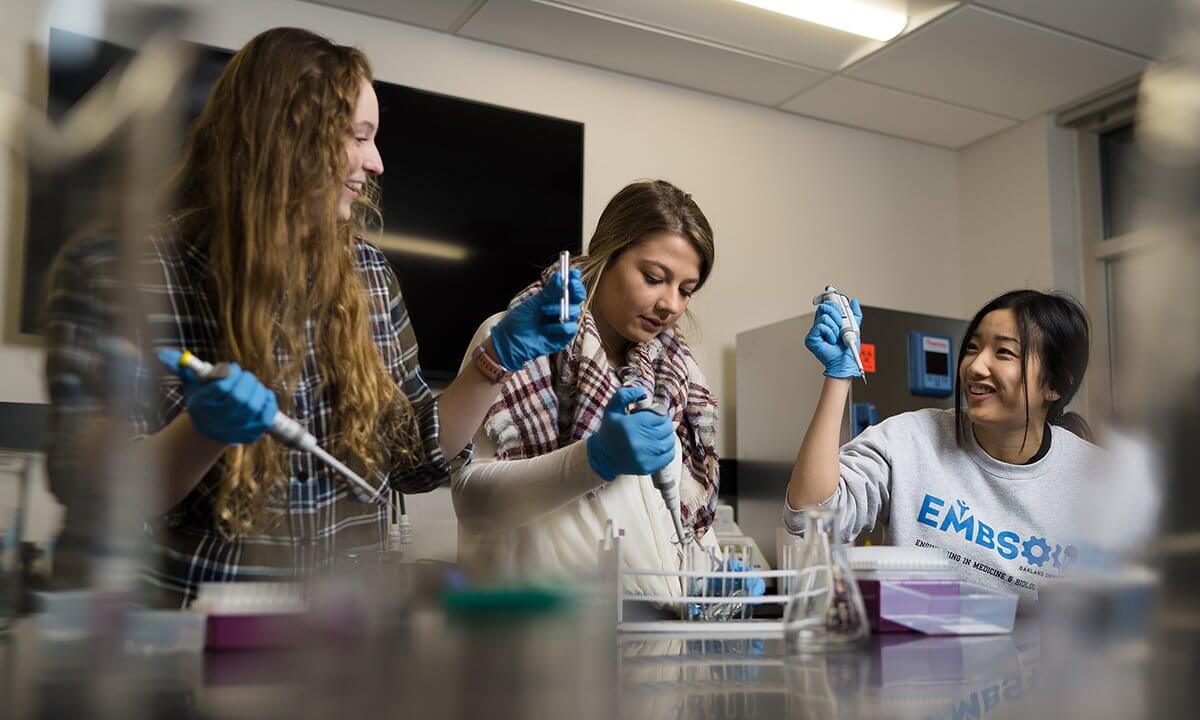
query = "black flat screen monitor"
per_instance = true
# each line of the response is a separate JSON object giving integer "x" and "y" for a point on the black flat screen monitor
{"x": 476, "y": 198}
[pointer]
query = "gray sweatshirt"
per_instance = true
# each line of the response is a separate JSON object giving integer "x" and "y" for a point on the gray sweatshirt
{"x": 1008, "y": 526}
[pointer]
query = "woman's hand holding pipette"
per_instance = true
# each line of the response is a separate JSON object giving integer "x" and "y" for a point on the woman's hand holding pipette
{"x": 236, "y": 409}
{"x": 636, "y": 444}
{"x": 824, "y": 340}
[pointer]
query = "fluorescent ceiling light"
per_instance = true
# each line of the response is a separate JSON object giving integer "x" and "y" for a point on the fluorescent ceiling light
{"x": 425, "y": 247}
{"x": 868, "y": 19}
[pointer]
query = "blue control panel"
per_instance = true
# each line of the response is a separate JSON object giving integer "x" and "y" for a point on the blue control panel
{"x": 930, "y": 365}
{"x": 862, "y": 416}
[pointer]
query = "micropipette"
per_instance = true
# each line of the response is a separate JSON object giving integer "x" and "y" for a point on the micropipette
{"x": 564, "y": 273}
{"x": 850, "y": 333}
{"x": 283, "y": 428}
{"x": 666, "y": 486}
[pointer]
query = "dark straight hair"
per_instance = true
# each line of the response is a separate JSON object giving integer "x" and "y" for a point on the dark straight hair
{"x": 1055, "y": 328}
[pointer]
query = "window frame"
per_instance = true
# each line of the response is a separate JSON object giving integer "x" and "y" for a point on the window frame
{"x": 1101, "y": 253}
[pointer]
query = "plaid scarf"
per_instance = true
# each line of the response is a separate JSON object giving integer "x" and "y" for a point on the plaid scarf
{"x": 559, "y": 399}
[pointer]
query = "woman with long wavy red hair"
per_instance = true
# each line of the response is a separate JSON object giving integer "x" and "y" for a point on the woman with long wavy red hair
{"x": 264, "y": 263}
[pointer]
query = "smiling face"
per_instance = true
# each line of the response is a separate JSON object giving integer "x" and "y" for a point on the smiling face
{"x": 646, "y": 289}
{"x": 362, "y": 157}
{"x": 990, "y": 376}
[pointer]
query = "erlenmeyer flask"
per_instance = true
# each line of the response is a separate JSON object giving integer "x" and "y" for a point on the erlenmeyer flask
{"x": 826, "y": 609}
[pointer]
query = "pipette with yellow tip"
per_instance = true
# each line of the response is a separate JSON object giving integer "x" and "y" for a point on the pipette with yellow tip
{"x": 283, "y": 428}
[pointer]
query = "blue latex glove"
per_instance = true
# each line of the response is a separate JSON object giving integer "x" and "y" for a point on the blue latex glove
{"x": 636, "y": 444}
{"x": 236, "y": 409}
{"x": 825, "y": 340}
{"x": 532, "y": 329}
{"x": 750, "y": 587}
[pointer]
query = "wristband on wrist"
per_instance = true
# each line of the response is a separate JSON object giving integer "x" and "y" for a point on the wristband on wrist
{"x": 484, "y": 363}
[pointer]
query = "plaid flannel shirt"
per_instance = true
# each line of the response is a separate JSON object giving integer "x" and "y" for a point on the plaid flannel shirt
{"x": 320, "y": 517}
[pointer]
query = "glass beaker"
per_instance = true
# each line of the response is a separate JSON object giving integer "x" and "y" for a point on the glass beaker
{"x": 826, "y": 609}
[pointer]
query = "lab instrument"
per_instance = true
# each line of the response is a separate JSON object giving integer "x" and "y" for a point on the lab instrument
{"x": 564, "y": 274}
{"x": 862, "y": 416}
{"x": 906, "y": 589}
{"x": 721, "y": 589}
{"x": 850, "y": 333}
{"x": 930, "y": 360}
{"x": 666, "y": 485}
{"x": 253, "y": 615}
{"x": 285, "y": 429}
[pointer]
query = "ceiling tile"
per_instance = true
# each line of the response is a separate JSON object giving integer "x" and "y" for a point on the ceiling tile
{"x": 740, "y": 26}
{"x": 585, "y": 37}
{"x": 872, "y": 107}
{"x": 436, "y": 14}
{"x": 998, "y": 65}
{"x": 1135, "y": 25}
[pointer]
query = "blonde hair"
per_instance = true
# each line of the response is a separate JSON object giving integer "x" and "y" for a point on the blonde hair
{"x": 259, "y": 185}
{"x": 638, "y": 210}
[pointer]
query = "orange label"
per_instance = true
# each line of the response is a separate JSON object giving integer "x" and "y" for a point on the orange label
{"x": 867, "y": 354}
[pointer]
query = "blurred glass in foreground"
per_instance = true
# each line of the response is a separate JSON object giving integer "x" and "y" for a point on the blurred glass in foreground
{"x": 1165, "y": 350}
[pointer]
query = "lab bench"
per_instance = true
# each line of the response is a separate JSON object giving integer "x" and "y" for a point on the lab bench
{"x": 571, "y": 665}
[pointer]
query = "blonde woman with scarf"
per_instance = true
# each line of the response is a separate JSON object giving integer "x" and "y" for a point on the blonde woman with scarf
{"x": 557, "y": 457}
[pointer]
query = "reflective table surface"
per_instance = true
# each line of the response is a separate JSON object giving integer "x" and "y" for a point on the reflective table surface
{"x": 571, "y": 665}
{"x": 894, "y": 676}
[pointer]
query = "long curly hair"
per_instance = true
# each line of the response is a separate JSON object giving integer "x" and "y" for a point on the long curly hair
{"x": 263, "y": 168}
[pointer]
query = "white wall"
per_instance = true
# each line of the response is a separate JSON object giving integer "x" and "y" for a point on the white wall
{"x": 1005, "y": 238}
{"x": 20, "y": 358}
{"x": 1018, "y": 219}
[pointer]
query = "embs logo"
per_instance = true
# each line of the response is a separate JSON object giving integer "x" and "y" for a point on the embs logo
{"x": 957, "y": 518}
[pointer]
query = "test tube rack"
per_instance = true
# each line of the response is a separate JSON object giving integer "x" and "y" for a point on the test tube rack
{"x": 706, "y": 606}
